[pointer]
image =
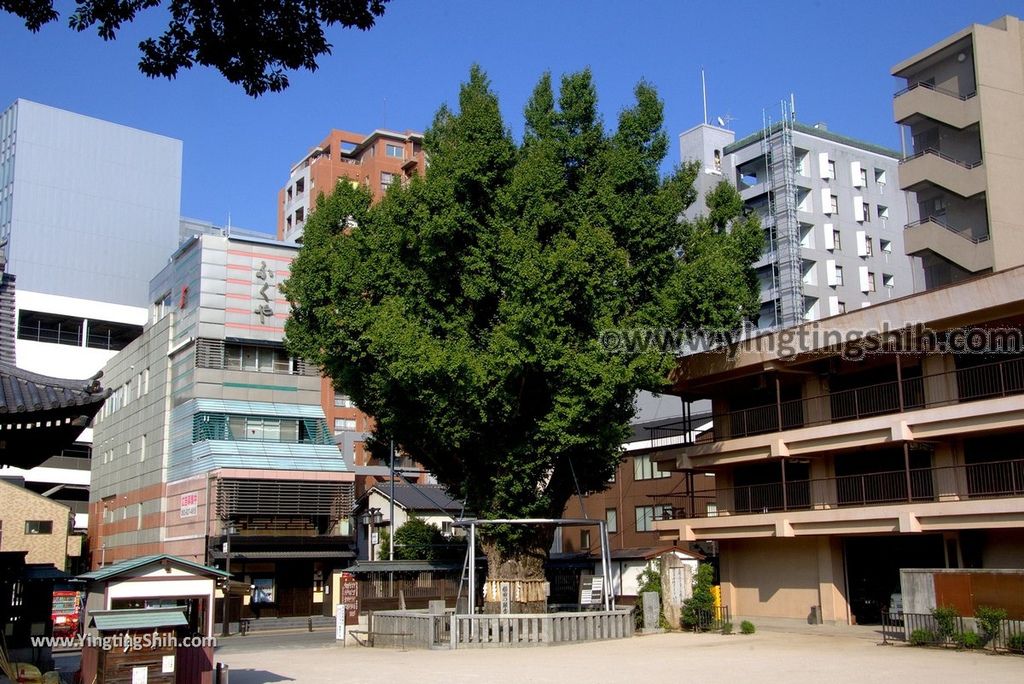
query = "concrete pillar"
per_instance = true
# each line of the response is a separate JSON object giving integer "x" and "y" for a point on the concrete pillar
{"x": 817, "y": 407}
{"x": 939, "y": 380}
{"x": 823, "y": 487}
{"x": 831, "y": 581}
{"x": 725, "y": 570}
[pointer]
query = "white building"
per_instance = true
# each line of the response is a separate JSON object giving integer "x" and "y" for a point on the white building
{"x": 832, "y": 210}
{"x": 89, "y": 211}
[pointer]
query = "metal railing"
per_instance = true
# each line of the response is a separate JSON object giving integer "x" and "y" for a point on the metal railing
{"x": 944, "y": 157}
{"x": 999, "y": 379}
{"x": 951, "y": 229}
{"x": 923, "y": 629}
{"x": 709, "y": 620}
{"x": 937, "y": 89}
{"x": 989, "y": 480}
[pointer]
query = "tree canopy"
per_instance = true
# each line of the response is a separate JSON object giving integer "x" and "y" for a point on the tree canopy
{"x": 251, "y": 43}
{"x": 465, "y": 310}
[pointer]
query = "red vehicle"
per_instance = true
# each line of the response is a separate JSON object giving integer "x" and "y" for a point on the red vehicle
{"x": 67, "y": 607}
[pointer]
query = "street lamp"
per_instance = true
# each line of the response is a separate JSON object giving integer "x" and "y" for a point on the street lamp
{"x": 372, "y": 519}
{"x": 229, "y": 529}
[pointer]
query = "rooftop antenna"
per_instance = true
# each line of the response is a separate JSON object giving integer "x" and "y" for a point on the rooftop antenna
{"x": 792, "y": 107}
{"x": 384, "y": 123}
{"x": 704, "y": 95}
{"x": 724, "y": 121}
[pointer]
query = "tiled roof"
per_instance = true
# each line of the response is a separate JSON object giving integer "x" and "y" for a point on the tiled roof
{"x": 25, "y": 392}
{"x": 416, "y": 497}
{"x": 109, "y": 571}
{"x": 138, "y": 618}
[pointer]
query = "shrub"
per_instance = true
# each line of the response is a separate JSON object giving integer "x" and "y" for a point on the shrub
{"x": 698, "y": 610}
{"x": 923, "y": 637}
{"x": 1016, "y": 643}
{"x": 946, "y": 618}
{"x": 969, "y": 639}
{"x": 989, "y": 621}
{"x": 747, "y": 627}
{"x": 726, "y": 628}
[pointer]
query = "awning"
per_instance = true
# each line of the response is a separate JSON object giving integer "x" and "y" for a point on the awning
{"x": 251, "y": 555}
{"x": 403, "y": 566}
{"x": 143, "y": 618}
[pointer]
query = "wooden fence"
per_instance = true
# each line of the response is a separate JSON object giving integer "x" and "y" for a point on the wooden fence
{"x": 417, "y": 629}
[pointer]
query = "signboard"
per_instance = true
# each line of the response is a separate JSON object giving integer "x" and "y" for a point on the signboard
{"x": 189, "y": 505}
{"x": 350, "y": 598}
{"x": 339, "y": 623}
{"x": 140, "y": 675}
{"x": 167, "y": 664}
{"x": 591, "y": 591}
{"x": 506, "y": 598}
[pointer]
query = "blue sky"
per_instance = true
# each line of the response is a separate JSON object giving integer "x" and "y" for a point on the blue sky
{"x": 834, "y": 56}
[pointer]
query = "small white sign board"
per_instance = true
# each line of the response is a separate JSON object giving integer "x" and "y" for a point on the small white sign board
{"x": 339, "y": 624}
{"x": 140, "y": 675}
{"x": 167, "y": 664}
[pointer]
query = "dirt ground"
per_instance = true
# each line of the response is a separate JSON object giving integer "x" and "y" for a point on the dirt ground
{"x": 763, "y": 657}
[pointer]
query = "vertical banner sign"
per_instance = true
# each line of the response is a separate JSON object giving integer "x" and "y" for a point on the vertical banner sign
{"x": 350, "y": 598}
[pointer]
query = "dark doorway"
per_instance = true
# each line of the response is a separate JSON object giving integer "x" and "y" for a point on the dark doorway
{"x": 873, "y": 569}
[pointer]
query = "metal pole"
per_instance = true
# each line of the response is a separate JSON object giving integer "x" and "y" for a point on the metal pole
{"x": 778, "y": 401}
{"x": 391, "y": 523}
{"x": 906, "y": 469}
{"x": 606, "y": 563}
{"x": 472, "y": 568}
{"x": 227, "y": 580}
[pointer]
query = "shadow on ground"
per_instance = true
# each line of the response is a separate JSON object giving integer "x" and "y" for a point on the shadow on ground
{"x": 257, "y": 677}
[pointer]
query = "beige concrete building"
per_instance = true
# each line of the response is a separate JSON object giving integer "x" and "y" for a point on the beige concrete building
{"x": 963, "y": 106}
{"x": 31, "y": 522}
{"x": 843, "y": 452}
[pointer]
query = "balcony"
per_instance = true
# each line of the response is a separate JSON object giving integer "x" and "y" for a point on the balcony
{"x": 971, "y": 253}
{"x": 939, "y": 104}
{"x": 976, "y": 383}
{"x": 910, "y": 500}
{"x": 931, "y": 167}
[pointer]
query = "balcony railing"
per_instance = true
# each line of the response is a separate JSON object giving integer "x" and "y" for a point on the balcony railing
{"x": 942, "y": 224}
{"x": 1003, "y": 378}
{"x": 936, "y": 89}
{"x": 990, "y": 480}
{"x": 945, "y": 157}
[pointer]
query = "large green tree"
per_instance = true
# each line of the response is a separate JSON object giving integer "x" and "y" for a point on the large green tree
{"x": 465, "y": 310}
{"x": 251, "y": 42}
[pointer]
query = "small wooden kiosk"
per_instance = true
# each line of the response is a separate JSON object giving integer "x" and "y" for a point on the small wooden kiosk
{"x": 161, "y": 606}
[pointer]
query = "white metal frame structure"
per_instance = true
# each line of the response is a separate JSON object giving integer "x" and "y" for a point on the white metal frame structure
{"x": 606, "y": 559}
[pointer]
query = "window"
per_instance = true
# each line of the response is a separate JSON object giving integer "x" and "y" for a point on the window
{"x": 831, "y": 169}
{"x": 646, "y": 469}
{"x": 868, "y": 248}
{"x": 142, "y": 450}
{"x": 882, "y": 212}
{"x": 841, "y": 307}
{"x": 866, "y": 209}
{"x": 888, "y": 280}
{"x": 344, "y": 425}
{"x": 395, "y": 151}
{"x": 300, "y": 186}
{"x": 342, "y": 400}
{"x": 880, "y": 177}
{"x": 38, "y": 527}
{"x": 871, "y": 281}
{"x": 646, "y": 515}
{"x": 300, "y": 216}
{"x": 262, "y": 589}
{"x": 611, "y": 517}
{"x": 833, "y": 205}
{"x": 837, "y": 239}
{"x": 885, "y": 246}
{"x": 863, "y": 178}
{"x": 584, "y": 539}
{"x": 248, "y": 428}
{"x": 839, "y": 275}
{"x": 259, "y": 359}
{"x": 386, "y": 179}
{"x": 46, "y": 327}
{"x": 111, "y": 336}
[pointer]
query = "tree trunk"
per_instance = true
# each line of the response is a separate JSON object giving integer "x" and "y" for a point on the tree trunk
{"x": 516, "y": 582}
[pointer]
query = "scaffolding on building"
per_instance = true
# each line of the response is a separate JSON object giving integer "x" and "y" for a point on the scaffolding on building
{"x": 782, "y": 222}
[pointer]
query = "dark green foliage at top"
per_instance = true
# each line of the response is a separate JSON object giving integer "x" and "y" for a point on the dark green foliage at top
{"x": 417, "y": 539}
{"x": 699, "y": 608}
{"x": 464, "y": 311}
{"x": 249, "y": 42}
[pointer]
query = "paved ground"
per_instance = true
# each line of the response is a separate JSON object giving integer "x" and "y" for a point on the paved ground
{"x": 787, "y": 657}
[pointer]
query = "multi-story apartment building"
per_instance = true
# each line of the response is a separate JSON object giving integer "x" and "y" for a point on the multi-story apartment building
{"x": 88, "y": 212}
{"x": 835, "y": 469}
{"x": 963, "y": 107}
{"x": 832, "y": 210}
{"x": 376, "y": 161}
{"x": 213, "y": 446}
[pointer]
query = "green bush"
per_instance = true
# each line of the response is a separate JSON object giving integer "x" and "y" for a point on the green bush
{"x": 989, "y": 621}
{"x": 747, "y": 627}
{"x": 946, "y": 617}
{"x": 969, "y": 639}
{"x": 1016, "y": 643}
{"x": 702, "y": 603}
{"x": 923, "y": 637}
{"x": 726, "y": 628}
{"x": 649, "y": 580}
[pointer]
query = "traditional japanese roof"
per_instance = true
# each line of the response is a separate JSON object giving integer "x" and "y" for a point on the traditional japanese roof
{"x": 109, "y": 572}
{"x": 649, "y": 552}
{"x": 417, "y": 497}
{"x": 404, "y": 566}
{"x": 137, "y": 618}
{"x": 40, "y": 415}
